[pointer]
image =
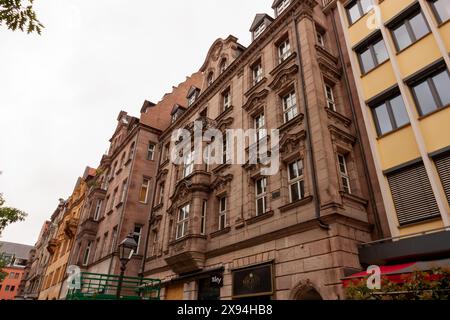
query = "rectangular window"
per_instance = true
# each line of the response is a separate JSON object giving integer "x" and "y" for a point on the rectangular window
{"x": 412, "y": 194}
{"x": 161, "y": 193}
{"x": 284, "y": 50}
{"x": 225, "y": 149}
{"x": 183, "y": 222}
{"x": 137, "y": 237}
{"x": 11, "y": 275}
{"x": 260, "y": 127}
{"x": 409, "y": 30}
{"x": 283, "y": 6}
{"x": 320, "y": 39}
{"x": 110, "y": 203}
{"x": 203, "y": 219}
{"x": 188, "y": 164}
{"x": 123, "y": 195}
{"x": 143, "y": 194}
{"x": 113, "y": 240}
{"x": 261, "y": 28}
{"x": 155, "y": 243}
{"x": 87, "y": 253}
{"x": 432, "y": 93}
{"x": 290, "y": 107}
{"x": 257, "y": 73}
{"x": 261, "y": 196}
{"x": 331, "y": 102}
{"x": 191, "y": 99}
{"x": 114, "y": 200}
{"x": 372, "y": 55}
{"x": 443, "y": 168}
{"x": 151, "y": 151}
{"x": 357, "y": 9}
{"x": 131, "y": 152}
{"x": 222, "y": 213}
{"x": 296, "y": 181}
{"x": 390, "y": 115}
{"x": 98, "y": 209}
{"x": 226, "y": 100}
{"x": 441, "y": 10}
{"x": 343, "y": 172}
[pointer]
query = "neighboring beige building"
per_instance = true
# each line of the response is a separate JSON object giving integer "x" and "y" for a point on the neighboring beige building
{"x": 225, "y": 231}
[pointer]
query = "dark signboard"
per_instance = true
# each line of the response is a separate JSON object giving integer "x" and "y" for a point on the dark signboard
{"x": 253, "y": 282}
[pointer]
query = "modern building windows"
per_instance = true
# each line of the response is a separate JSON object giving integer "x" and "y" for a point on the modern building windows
{"x": 409, "y": 30}
{"x": 143, "y": 194}
{"x": 203, "y": 218}
{"x": 372, "y": 54}
{"x": 412, "y": 194}
{"x": 390, "y": 115}
{"x": 432, "y": 93}
{"x": 282, "y": 6}
{"x": 261, "y": 196}
{"x": 290, "y": 110}
{"x": 137, "y": 234}
{"x": 183, "y": 222}
{"x": 441, "y": 10}
{"x": 151, "y": 151}
{"x": 257, "y": 73}
{"x": 284, "y": 50}
{"x": 87, "y": 253}
{"x": 226, "y": 99}
{"x": 329, "y": 93}
{"x": 222, "y": 213}
{"x": 343, "y": 172}
{"x": 358, "y": 8}
{"x": 443, "y": 167}
{"x": 296, "y": 181}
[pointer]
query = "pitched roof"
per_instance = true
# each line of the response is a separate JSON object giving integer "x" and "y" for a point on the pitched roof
{"x": 258, "y": 19}
{"x": 21, "y": 251}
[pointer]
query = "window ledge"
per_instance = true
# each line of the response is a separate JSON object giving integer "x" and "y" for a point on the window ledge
{"x": 393, "y": 131}
{"x": 221, "y": 167}
{"x": 165, "y": 163}
{"x": 437, "y": 217}
{"x": 224, "y": 113}
{"x": 262, "y": 217}
{"x": 433, "y": 112}
{"x": 366, "y": 73}
{"x": 158, "y": 207}
{"x": 220, "y": 232}
{"x": 110, "y": 212}
{"x": 297, "y": 120}
{"x": 119, "y": 205}
{"x": 413, "y": 43}
{"x": 128, "y": 162}
{"x": 119, "y": 171}
{"x": 281, "y": 65}
{"x": 296, "y": 204}
{"x": 354, "y": 198}
{"x": 255, "y": 87}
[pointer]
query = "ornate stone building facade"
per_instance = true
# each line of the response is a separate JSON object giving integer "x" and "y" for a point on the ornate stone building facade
{"x": 226, "y": 231}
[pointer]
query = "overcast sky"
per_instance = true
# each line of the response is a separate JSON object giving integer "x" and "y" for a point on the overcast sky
{"x": 61, "y": 92}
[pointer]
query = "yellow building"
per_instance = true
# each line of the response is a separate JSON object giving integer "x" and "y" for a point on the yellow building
{"x": 65, "y": 224}
{"x": 399, "y": 51}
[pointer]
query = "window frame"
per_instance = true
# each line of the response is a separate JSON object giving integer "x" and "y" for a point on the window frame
{"x": 330, "y": 101}
{"x": 87, "y": 253}
{"x": 151, "y": 150}
{"x": 360, "y": 10}
{"x": 283, "y": 56}
{"x": 257, "y": 73}
{"x": 223, "y": 213}
{"x": 286, "y": 111}
{"x": 147, "y": 187}
{"x": 436, "y": 12}
{"x": 203, "y": 218}
{"x": 262, "y": 195}
{"x": 370, "y": 47}
{"x": 298, "y": 181}
{"x": 344, "y": 174}
{"x": 98, "y": 209}
{"x": 282, "y": 6}
{"x": 410, "y": 31}
{"x": 183, "y": 221}
{"x": 389, "y": 108}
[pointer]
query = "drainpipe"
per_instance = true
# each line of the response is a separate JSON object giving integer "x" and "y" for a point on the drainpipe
{"x": 152, "y": 204}
{"x": 379, "y": 230}
{"x": 308, "y": 126}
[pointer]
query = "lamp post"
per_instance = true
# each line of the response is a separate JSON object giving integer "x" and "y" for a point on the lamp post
{"x": 126, "y": 250}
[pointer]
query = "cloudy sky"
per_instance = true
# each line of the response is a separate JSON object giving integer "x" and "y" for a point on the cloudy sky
{"x": 60, "y": 93}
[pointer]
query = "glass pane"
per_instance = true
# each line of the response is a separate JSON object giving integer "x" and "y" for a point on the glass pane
{"x": 261, "y": 206}
{"x": 399, "y": 111}
{"x": 353, "y": 12}
{"x": 295, "y": 192}
{"x": 402, "y": 37}
{"x": 442, "y": 7}
{"x": 367, "y": 61}
{"x": 442, "y": 83}
{"x": 419, "y": 26}
{"x": 293, "y": 171}
{"x": 366, "y": 4}
{"x": 384, "y": 122}
{"x": 380, "y": 52}
{"x": 425, "y": 98}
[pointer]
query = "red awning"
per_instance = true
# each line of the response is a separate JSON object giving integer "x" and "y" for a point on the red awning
{"x": 397, "y": 273}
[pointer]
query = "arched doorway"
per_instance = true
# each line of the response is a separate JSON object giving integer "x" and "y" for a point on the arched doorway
{"x": 306, "y": 292}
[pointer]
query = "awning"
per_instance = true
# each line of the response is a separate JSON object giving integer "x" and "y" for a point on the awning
{"x": 397, "y": 273}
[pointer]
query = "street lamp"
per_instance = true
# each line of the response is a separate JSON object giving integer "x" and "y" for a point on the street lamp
{"x": 127, "y": 248}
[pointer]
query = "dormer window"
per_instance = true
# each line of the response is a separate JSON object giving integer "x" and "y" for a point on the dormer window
{"x": 192, "y": 95}
{"x": 191, "y": 99}
{"x": 177, "y": 112}
{"x": 223, "y": 65}
{"x": 261, "y": 28}
{"x": 282, "y": 6}
{"x": 210, "y": 79}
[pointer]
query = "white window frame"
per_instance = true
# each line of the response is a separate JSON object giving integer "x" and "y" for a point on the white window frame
{"x": 138, "y": 235}
{"x": 297, "y": 180}
{"x": 258, "y": 31}
{"x": 191, "y": 99}
{"x": 283, "y": 6}
{"x": 284, "y": 50}
{"x": 226, "y": 99}
{"x": 329, "y": 95}
{"x": 259, "y": 123}
{"x": 222, "y": 213}
{"x": 87, "y": 254}
{"x": 261, "y": 196}
{"x": 98, "y": 209}
{"x": 343, "y": 172}
{"x": 290, "y": 110}
{"x": 257, "y": 72}
{"x": 203, "y": 218}
{"x": 151, "y": 151}
{"x": 183, "y": 222}
{"x": 188, "y": 168}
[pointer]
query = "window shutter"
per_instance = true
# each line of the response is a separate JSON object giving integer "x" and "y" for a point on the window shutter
{"x": 443, "y": 167}
{"x": 413, "y": 196}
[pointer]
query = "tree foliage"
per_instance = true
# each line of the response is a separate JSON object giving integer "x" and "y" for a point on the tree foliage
{"x": 19, "y": 14}
{"x": 9, "y": 215}
{"x": 419, "y": 285}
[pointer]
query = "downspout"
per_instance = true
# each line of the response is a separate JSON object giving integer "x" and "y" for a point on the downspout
{"x": 152, "y": 204}
{"x": 308, "y": 126}
{"x": 379, "y": 230}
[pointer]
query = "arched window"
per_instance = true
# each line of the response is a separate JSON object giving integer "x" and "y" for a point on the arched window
{"x": 210, "y": 78}
{"x": 223, "y": 65}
